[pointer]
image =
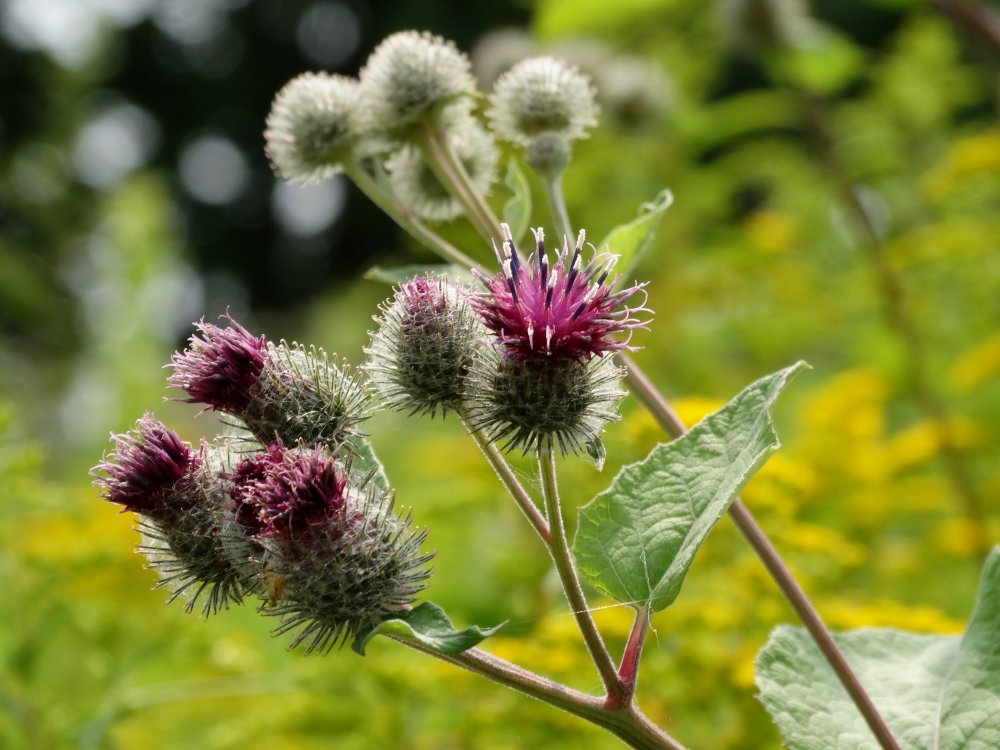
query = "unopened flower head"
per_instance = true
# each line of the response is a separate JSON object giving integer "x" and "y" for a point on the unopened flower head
{"x": 313, "y": 126}
{"x": 542, "y": 96}
{"x": 634, "y": 90}
{"x": 566, "y": 309}
{"x": 221, "y": 367}
{"x": 421, "y": 353}
{"x": 345, "y": 560}
{"x": 419, "y": 188}
{"x": 147, "y": 464}
{"x": 278, "y": 390}
{"x": 411, "y": 76}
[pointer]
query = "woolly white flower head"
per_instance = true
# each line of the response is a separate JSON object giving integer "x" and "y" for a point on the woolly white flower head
{"x": 412, "y": 75}
{"x": 542, "y": 97}
{"x": 312, "y": 126}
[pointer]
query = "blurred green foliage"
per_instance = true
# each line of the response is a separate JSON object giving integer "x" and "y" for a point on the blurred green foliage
{"x": 757, "y": 265}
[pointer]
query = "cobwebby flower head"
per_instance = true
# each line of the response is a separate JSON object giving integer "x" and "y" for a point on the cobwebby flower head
{"x": 344, "y": 558}
{"x": 561, "y": 310}
{"x": 412, "y": 75}
{"x": 180, "y": 498}
{"x": 313, "y": 126}
{"x": 278, "y": 390}
{"x": 147, "y": 464}
{"x": 422, "y": 350}
{"x": 419, "y": 188}
{"x": 219, "y": 368}
{"x": 542, "y": 96}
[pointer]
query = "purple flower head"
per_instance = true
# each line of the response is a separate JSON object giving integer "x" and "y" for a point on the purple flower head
{"x": 302, "y": 494}
{"x": 221, "y": 367}
{"x": 566, "y": 310}
{"x": 147, "y": 463}
{"x": 245, "y": 480}
{"x": 422, "y": 295}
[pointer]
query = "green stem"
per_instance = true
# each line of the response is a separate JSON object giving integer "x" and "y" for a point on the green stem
{"x": 644, "y": 390}
{"x": 402, "y": 216}
{"x": 506, "y": 476}
{"x": 563, "y": 561}
{"x": 628, "y": 724}
{"x": 448, "y": 168}
{"x": 557, "y": 205}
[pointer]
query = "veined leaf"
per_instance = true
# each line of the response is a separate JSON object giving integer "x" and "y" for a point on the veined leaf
{"x": 934, "y": 692}
{"x": 428, "y": 624}
{"x": 629, "y": 241}
{"x": 636, "y": 540}
{"x": 517, "y": 209}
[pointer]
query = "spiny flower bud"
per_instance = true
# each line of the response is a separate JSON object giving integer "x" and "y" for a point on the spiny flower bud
{"x": 419, "y": 188}
{"x": 542, "y": 96}
{"x": 411, "y": 76}
{"x": 344, "y": 559}
{"x": 421, "y": 353}
{"x": 312, "y": 127}
{"x": 521, "y": 403}
{"x": 563, "y": 310}
{"x": 283, "y": 391}
{"x": 634, "y": 90}
{"x": 181, "y": 500}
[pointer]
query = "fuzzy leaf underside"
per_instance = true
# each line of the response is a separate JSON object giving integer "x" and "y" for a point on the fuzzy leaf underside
{"x": 636, "y": 540}
{"x": 427, "y": 624}
{"x": 631, "y": 240}
{"x": 517, "y": 209}
{"x": 934, "y": 692}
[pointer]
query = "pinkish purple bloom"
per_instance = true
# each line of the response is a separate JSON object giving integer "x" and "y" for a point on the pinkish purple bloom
{"x": 147, "y": 464}
{"x": 301, "y": 494}
{"x": 565, "y": 310}
{"x": 221, "y": 367}
{"x": 245, "y": 478}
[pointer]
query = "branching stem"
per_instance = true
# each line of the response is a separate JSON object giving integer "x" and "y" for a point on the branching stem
{"x": 644, "y": 390}
{"x": 628, "y": 723}
{"x": 563, "y": 561}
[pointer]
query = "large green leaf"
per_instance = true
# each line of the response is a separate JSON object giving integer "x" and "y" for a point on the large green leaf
{"x": 629, "y": 241}
{"x": 517, "y": 209}
{"x": 636, "y": 540}
{"x": 934, "y": 692}
{"x": 428, "y": 624}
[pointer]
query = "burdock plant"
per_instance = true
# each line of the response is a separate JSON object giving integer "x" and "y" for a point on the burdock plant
{"x": 535, "y": 359}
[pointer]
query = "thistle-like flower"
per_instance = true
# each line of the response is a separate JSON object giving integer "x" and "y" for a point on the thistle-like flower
{"x": 344, "y": 559}
{"x": 410, "y": 76}
{"x": 421, "y": 353}
{"x": 419, "y": 188}
{"x": 542, "y": 96}
{"x": 147, "y": 464}
{"x": 562, "y": 310}
{"x": 181, "y": 499}
{"x": 279, "y": 391}
{"x": 547, "y": 377}
{"x": 221, "y": 368}
{"x": 313, "y": 126}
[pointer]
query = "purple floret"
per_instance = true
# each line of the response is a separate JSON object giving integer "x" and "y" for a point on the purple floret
{"x": 566, "y": 310}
